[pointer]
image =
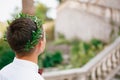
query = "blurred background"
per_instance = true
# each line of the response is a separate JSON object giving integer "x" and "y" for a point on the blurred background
{"x": 79, "y": 32}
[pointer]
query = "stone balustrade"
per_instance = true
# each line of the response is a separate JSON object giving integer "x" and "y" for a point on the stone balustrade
{"x": 99, "y": 68}
{"x": 110, "y": 14}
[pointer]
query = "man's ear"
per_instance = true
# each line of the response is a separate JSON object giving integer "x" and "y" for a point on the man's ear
{"x": 40, "y": 46}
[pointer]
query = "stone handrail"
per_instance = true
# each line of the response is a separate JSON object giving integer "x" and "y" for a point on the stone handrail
{"x": 99, "y": 68}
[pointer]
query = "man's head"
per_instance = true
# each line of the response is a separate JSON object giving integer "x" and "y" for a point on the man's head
{"x": 20, "y": 32}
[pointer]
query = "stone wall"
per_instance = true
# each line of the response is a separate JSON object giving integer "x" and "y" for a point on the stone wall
{"x": 74, "y": 22}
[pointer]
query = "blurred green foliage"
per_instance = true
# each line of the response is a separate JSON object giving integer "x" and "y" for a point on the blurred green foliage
{"x": 82, "y": 52}
{"x": 49, "y": 59}
{"x": 41, "y": 11}
{"x": 61, "y": 40}
{"x": 49, "y": 28}
{"x": 6, "y": 58}
{"x": 6, "y": 54}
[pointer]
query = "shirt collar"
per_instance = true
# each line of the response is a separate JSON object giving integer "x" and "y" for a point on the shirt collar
{"x": 26, "y": 64}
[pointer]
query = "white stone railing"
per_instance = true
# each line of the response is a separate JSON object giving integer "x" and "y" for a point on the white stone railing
{"x": 99, "y": 68}
{"x": 110, "y": 14}
{"x": 106, "y": 12}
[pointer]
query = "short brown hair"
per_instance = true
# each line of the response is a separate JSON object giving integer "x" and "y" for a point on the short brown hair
{"x": 19, "y": 32}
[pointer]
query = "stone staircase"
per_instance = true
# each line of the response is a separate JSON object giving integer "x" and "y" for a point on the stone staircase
{"x": 106, "y": 65}
{"x": 81, "y": 17}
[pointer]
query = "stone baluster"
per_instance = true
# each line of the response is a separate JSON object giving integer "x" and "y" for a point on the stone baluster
{"x": 119, "y": 17}
{"x": 114, "y": 60}
{"x": 104, "y": 69}
{"x": 109, "y": 64}
{"x": 93, "y": 74}
{"x": 118, "y": 55}
{"x": 99, "y": 73}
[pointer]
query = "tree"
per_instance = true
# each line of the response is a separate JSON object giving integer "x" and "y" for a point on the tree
{"x": 28, "y": 7}
{"x": 41, "y": 11}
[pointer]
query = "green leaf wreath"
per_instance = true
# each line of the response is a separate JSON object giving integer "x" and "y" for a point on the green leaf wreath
{"x": 36, "y": 35}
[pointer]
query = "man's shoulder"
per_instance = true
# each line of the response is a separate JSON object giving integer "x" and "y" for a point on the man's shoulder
{"x": 19, "y": 72}
{"x": 2, "y": 77}
{"x": 5, "y": 71}
{"x": 6, "y": 68}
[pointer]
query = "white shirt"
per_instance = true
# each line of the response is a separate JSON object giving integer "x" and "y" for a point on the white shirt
{"x": 20, "y": 70}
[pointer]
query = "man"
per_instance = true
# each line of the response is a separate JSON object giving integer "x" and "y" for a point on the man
{"x": 26, "y": 40}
